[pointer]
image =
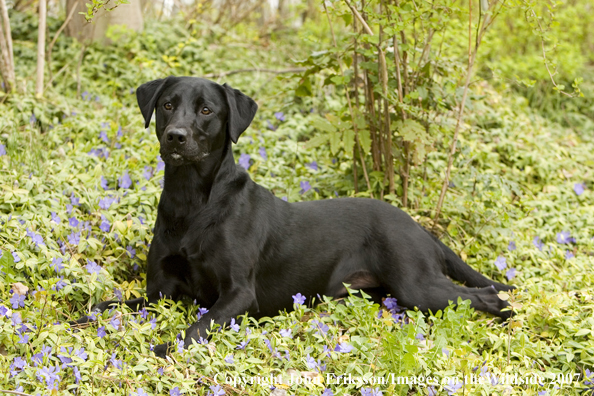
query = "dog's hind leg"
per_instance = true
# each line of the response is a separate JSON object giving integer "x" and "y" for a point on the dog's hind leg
{"x": 437, "y": 293}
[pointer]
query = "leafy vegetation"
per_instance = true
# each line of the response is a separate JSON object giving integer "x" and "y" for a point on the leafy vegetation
{"x": 81, "y": 178}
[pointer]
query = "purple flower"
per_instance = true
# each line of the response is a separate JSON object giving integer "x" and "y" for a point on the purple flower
{"x": 74, "y": 238}
{"x": 510, "y": 274}
{"x": 103, "y": 136}
{"x": 116, "y": 362}
{"x": 310, "y": 362}
{"x": 50, "y": 374}
{"x": 148, "y": 172}
{"x": 56, "y": 218}
{"x": 313, "y": 165}
{"x": 3, "y": 310}
{"x": 201, "y": 311}
{"x": 327, "y": 392}
{"x": 234, "y": 326}
{"x": 174, "y": 392}
{"x": 36, "y": 238}
{"x": 16, "y": 319}
{"x": 139, "y": 392}
{"x": 37, "y": 359}
{"x": 106, "y": 202}
{"x": 431, "y": 391}
{"x": 217, "y": 390}
{"x": 118, "y": 293}
{"x": 500, "y": 263}
{"x": 17, "y": 301}
{"x": 143, "y": 313}
{"x": 420, "y": 336}
{"x": 512, "y": 246}
{"x": 270, "y": 126}
{"x": 104, "y": 183}
{"x": 285, "y": 198}
{"x": 279, "y": 116}
{"x": 453, "y": 386}
{"x": 101, "y": 332}
{"x": 115, "y": 322}
{"x": 77, "y": 376}
{"x": 125, "y": 181}
{"x": 564, "y": 237}
{"x": 243, "y": 344}
{"x": 131, "y": 251}
{"x": 2, "y": 150}
{"x": 60, "y": 284}
{"x": 93, "y": 267}
{"x": 180, "y": 346}
{"x": 18, "y": 363}
{"x": 24, "y": 338}
{"x": 153, "y": 323}
{"x": 56, "y": 264}
{"x": 74, "y": 200}
{"x": 320, "y": 326}
{"x": 160, "y": 164}
{"x": 73, "y": 221}
{"x": 244, "y": 161}
{"x": 392, "y": 304}
{"x": 445, "y": 352}
{"x": 81, "y": 354}
{"x": 15, "y": 257}
{"x": 229, "y": 359}
{"x": 262, "y": 152}
{"x": 371, "y": 392}
{"x": 343, "y": 347}
{"x": 286, "y": 333}
{"x": 579, "y": 188}
{"x": 538, "y": 243}
{"x": 569, "y": 255}
{"x": 305, "y": 186}
{"x": 105, "y": 226}
{"x": 298, "y": 299}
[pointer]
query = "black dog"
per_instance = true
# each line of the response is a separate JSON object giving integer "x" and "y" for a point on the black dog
{"x": 231, "y": 245}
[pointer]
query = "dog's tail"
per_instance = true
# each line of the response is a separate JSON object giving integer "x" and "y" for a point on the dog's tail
{"x": 458, "y": 270}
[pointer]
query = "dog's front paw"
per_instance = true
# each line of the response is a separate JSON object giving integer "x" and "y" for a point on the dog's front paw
{"x": 161, "y": 350}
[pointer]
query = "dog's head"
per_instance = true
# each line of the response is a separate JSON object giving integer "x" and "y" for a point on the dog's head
{"x": 195, "y": 116}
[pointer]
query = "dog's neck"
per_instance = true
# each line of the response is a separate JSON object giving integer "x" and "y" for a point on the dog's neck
{"x": 193, "y": 184}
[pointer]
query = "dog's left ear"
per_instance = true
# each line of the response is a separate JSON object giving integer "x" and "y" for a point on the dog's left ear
{"x": 242, "y": 110}
{"x": 147, "y": 95}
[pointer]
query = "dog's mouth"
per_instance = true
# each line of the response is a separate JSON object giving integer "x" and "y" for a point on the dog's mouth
{"x": 176, "y": 159}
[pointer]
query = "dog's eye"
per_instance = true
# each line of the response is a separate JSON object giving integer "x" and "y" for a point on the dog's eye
{"x": 168, "y": 106}
{"x": 205, "y": 111}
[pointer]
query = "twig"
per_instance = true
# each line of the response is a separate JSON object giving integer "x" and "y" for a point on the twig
{"x": 80, "y": 59}
{"x": 51, "y": 46}
{"x": 14, "y": 392}
{"x": 348, "y": 96}
{"x": 471, "y": 59}
{"x": 254, "y": 69}
{"x": 359, "y": 17}
{"x": 41, "y": 48}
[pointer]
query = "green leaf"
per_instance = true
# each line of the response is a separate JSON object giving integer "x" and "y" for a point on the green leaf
{"x": 365, "y": 140}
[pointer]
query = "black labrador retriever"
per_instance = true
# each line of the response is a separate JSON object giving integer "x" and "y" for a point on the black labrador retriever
{"x": 234, "y": 247}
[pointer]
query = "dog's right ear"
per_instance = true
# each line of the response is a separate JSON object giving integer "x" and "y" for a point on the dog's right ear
{"x": 147, "y": 95}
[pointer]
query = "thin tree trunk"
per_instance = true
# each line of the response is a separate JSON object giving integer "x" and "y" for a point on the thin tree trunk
{"x": 7, "y": 61}
{"x": 41, "y": 48}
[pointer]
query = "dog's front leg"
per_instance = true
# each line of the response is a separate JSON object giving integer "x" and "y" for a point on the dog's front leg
{"x": 230, "y": 304}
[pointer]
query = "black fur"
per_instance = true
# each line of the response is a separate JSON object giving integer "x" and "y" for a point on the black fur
{"x": 231, "y": 245}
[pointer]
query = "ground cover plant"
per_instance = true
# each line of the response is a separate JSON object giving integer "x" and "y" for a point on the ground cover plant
{"x": 80, "y": 181}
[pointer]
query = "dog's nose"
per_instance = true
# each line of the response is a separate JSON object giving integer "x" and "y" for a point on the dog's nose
{"x": 177, "y": 136}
